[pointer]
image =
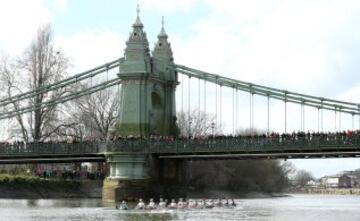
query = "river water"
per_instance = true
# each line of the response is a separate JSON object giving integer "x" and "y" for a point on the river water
{"x": 294, "y": 207}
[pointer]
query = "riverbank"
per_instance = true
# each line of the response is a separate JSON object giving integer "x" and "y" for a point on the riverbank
{"x": 229, "y": 194}
{"x": 30, "y": 187}
{"x": 328, "y": 191}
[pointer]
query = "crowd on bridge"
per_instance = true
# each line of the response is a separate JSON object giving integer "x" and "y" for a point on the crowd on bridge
{"x": 23, "y": 145}
{"x": 299, "y": 135}
{"x": 345, "y": 136}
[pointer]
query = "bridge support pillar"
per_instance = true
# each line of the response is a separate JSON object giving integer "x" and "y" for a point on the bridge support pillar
{"x": 133, "y": 176}
{"x": 168, "y": 178}
{"x": 127, "y": 178}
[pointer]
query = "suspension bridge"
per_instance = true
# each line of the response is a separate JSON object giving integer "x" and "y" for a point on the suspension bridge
{"x": 148, "y": 91}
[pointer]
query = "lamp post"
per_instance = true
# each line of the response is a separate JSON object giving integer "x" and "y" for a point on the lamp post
{"x": 212, "y": 128}
{"x": 190, "y": 122}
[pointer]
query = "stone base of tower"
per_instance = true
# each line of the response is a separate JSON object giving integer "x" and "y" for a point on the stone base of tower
{"x": 143, "y": 176}
{"x": 127, "y": 179}
{"x": 116, "y": 190}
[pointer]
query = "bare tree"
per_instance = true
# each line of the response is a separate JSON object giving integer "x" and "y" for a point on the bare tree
{"x": 302, "y": 177}
{"x": 9, "y": 80}
{"x": 196, "y": 124}
{"x": 40, "y": 65}
{"x": 92, "y": 116}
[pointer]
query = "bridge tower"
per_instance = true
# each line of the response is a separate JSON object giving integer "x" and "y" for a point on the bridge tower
{"x": 148, "y": 86}
{"x": 147, "y": 107}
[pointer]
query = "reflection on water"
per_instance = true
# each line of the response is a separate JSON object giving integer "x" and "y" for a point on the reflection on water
{"x": 297, "y": 207}
{"x": 149, "y": 216}
{"x": 31, "y": 203}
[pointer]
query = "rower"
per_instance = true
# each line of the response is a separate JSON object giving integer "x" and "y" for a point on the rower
{"x": 140, "y": 205}
{"x": 227, "y": 202}
{"x": 162, "y": 204}
{"x": 185, "y": 203}
{"x": 223, "y": 202}
{"x": 180, "y": 204}
{"x": 209, "y": 204}
{"x": 192, "y": 204}
{"x": 217, "y": 203}
{"x": 152, "y": 204}
{"x": 123, "y": 206}
{"x": 173, "y": 204}
{"x": 232, "y": 202}
{"x": 200, "y": 204}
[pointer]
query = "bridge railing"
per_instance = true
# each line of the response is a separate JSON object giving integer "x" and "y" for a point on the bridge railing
{"x": 38, "y": 149}
{"x": 243, "y": 144}
{"x": 224, "y": 145}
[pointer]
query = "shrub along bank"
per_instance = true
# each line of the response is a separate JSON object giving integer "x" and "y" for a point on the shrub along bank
{"x": 31, "y": 187}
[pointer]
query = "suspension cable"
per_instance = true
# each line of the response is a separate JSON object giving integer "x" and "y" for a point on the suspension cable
{"x": 285, "y": 103}
{"x": 189, "y": 105}
{"x": 268, "y": 115}
{"x": 339, "y": 119}
{"x": 292, "y": 97}
{"x": 61, "y": 83}
{"x": 199, "y": 104}
{"x": 302, "y": 116}
{"x": 91, "y": 120}
{"x": 359, "y": 117}
{"x": 322, "y": 117}
{"x": 251, "y": 111}
{"x": 60, "y": 100}
{"x": 220, "y": 107}
{"x": 77, "y": 108}
{"x": 250, "y": 124}
{"x": 233, "y": 110}
{"x": 318, "y": 119}
{"x": 335, "y": 119}
{"x": 216, "y": 107}
{"x": 204, "y": 97}
{"x": 107, "y": 72}
{"x": 236, "y": 110}
{"x": 182, "y": 93}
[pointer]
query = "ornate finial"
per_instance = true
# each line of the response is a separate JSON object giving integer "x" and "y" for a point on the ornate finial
{"x": 162, "y": 32}
{"x": 137, "y": 21}
{"x": 138, "y": 10}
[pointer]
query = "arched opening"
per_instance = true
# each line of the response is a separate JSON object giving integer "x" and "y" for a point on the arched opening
{"x": 155, "y": 100}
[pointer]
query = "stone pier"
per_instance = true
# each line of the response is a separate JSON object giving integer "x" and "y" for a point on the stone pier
{"x": 143, "y": 176}
{"x": 127, "y": 178}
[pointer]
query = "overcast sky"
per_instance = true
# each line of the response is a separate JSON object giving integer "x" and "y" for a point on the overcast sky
{"x": 309, "y": 47}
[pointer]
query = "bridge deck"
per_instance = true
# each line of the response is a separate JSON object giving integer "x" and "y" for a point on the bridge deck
{"x": 315, "y": 147}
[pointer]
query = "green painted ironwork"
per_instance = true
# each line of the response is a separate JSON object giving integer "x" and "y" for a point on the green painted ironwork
{"x": 68, "y": 97}
{"x": 62, "y": 83}
{"x": 284, "y": 95}
{"x": 148, "y": 88}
